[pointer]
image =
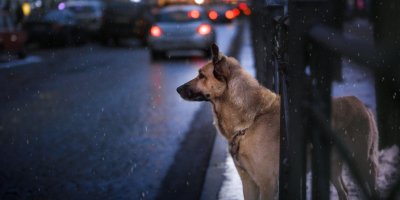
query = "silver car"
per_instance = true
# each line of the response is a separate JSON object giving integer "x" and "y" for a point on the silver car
{"x": 181, "y": 27}
{"x": 88, "y": 13}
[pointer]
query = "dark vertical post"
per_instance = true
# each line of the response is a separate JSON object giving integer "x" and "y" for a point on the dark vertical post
{"x": 305, "y": 91}
{"x": 325, "y": 66}
{"x": 386, "y": 18}
{"x": 321, "y": 76}
{"x": 258, "y": 29}
{"x": 271, "y": 11}
{"x": 293, "y": 184}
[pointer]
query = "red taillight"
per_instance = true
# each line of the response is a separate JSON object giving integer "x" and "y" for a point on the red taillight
{"x": 155, "y": 31}
{"x": 229, "y": 14}
{"x": 247, "y": 11}
{"x": 213, "y": 15}
{"x": 204, "y": 29}
{"x": 194, "y": 14}
{"x": 236, "y": 12}
{"x": 243, "y": 6}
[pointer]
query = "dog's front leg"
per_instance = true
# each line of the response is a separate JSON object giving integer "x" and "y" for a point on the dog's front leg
{"x": 250, "y": 188}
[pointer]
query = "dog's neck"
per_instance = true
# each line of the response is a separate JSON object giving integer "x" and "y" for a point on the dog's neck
{"x": 237, "y": 109}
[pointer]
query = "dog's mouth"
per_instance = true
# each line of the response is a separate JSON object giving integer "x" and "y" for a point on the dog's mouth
{"x": 186, "y": 93}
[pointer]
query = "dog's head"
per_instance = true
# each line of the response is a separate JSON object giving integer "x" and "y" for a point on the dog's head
{"x": 212, "y": 80}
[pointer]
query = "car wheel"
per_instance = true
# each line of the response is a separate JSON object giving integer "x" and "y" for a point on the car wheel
{"x": 69, "y": 40}
{"x": 104, "y": 40}
{"x": 80, "y": 39}
{"x": 143, "y": 41}
{"x": 21, "y": 54}
{"x": 117, "y": 41}
{"x": 157, "y": 55}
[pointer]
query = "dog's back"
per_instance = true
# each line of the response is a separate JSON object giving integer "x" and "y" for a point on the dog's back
{"x": 356, "y": 128}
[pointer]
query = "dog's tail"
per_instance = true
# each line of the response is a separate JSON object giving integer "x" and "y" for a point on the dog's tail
{"x": 373, "y": 152}
{"x": 373, "y": 138}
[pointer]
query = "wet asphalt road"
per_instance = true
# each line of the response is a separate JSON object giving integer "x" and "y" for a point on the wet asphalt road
{"x": 93, "y": 122}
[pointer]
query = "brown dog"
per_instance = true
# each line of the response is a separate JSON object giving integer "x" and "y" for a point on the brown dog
{"x": 248, "y": 116}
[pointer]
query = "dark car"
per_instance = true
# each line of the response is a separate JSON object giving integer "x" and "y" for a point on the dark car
{"x": 54, "y": 27}
{"x": 125, "y": 19}
{"x": 12, "y": 39}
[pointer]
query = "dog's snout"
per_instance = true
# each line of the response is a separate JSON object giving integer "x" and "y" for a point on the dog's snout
{"x": 188, "y": 93}
{"x": 180, "y": 89}
{"x": 184, "y": 90}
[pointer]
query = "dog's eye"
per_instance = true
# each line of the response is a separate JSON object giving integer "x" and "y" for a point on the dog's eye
{"x": 201, "y": 76}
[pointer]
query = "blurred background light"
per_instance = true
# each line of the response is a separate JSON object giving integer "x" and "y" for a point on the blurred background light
{"x": 199, "y": 1}
{"x": 61, "y": 6}
{"x": 26, "y": 8}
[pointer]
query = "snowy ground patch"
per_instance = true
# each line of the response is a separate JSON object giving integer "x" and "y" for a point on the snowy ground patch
{"x": 389, "y": 163}
{"x": 16, "y": 63}
{"x": 232, "y": 187}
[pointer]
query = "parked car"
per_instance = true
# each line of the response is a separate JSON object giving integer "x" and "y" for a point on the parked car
{"x": 125, "y": 19}
{"x": 54, "y": 27}
{"x": 222, "y": 13}
{"x": 88, "y": 14}
{"x": 12, "y": 39}
{"x": 181, "y": 27}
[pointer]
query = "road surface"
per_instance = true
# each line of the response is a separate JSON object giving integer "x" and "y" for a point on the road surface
{"x": 93, "y": 122}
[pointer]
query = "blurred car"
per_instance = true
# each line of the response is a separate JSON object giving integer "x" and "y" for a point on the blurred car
{"x": 244, "y": 8}
{"x": 54, "y": 27}
{"x": 181, "y": 27}
{"x": 12, "y": 39}
{"x": 88, "y": 13}
{"x": 222, "y": 13}
{"x": 125, "y": 19}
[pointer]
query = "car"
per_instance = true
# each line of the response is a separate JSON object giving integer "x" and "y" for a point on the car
{"x": 125, "y": 19}
{"x": 12, "y": 39}
{"x": 54, "y": 27}
{"x": 88, "y": 14}
{"x": 181, "y": 27}
{"x": 222, "y": 13}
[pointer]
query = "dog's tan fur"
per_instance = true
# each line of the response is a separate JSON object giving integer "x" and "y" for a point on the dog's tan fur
{"x": 242, "y": 105}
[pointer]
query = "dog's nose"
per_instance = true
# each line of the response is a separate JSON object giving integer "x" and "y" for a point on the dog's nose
{"x": 179, "y": 89}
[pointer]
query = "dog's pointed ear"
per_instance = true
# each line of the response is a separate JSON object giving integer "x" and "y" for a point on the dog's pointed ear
{"x": 215, "y": 54}
{"x": 217, "y": 60}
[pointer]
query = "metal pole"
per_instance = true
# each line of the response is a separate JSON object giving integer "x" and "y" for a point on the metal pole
{"x": 293, "y": 185}
{"x": 386, "y": 18}
{"x": 321, "y": 100}
{"x": 304, "y": 14}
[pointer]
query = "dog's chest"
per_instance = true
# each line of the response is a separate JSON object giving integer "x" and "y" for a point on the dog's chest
{"x": 234, "y": 147}
{"x": 234, "y": 138}
{"x": 218, "y": 124}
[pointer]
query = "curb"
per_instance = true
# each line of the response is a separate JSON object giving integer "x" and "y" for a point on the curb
{"x": 185, "y": 180}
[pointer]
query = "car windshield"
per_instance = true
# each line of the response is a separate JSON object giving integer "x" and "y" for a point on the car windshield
{"x": 59, "y": 16}
{"x": 82, "y": 9}
{"x": 180, "y": 16}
